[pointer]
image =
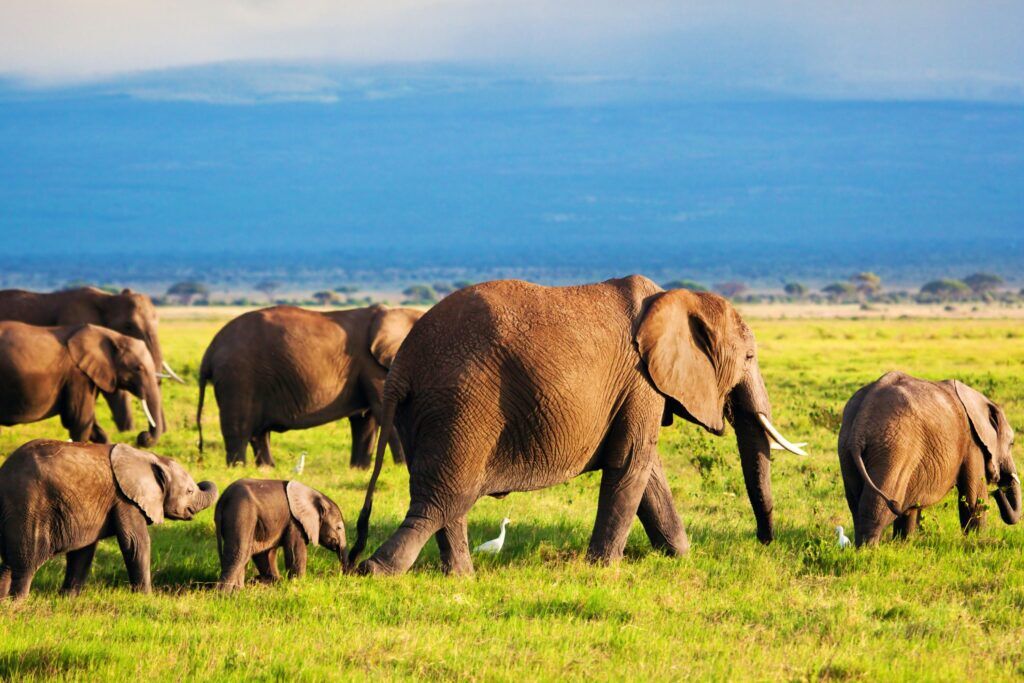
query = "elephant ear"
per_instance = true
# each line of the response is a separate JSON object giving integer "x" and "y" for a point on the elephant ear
{"x": 985, "y": 425}
{"x": 142, "y": 478}
{"x": 388, "y": 329}
{"x": 302, "y": 501}
{"x": 93, "y": 352}
{"x": 680, "y": 349}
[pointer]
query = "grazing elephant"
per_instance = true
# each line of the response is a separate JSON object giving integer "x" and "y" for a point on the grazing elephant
{"x": 255, "y": 517}
{"x": 510, "y": 386}
{"x": 47, "y": 371}
{"x": 285, "y": 368}
{"x": 905, "y": 442}
{"x": 58, "y": 497}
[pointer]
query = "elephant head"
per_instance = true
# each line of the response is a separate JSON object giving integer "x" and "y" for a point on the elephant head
{"x": 114, "y": 361}
{"x": 134, "y": 315}
{"x": 994, "y": 436}
{"x": 388, "y": 329}
{"x": 702, "y": 357}
{"x": 319, "y": 518}
{"x": 159, "y": 487}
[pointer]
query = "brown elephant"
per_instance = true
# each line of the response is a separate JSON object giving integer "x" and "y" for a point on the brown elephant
{"x": 255, "y": 517}
{"x": 284, "y": 368}
{"x": 905, "y": 442}
{"x": 58, "y": 497}
{"x": 47, "y": 371}
{"x": 510, "y": 386}
{"x": 129, "y": 313}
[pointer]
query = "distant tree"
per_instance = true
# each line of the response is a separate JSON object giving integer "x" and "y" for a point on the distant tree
{"x": 443, "y": 288}
{"x": 945, "y": 289}
{"x": 795, "y": 290}
{"x": 840, "y": 291}
{"x": 731, "y": 289}
{"x": 346, "y": 289}
{"x": 462, "y": 284}
{"x": 187, "y": 291}
{"x": 325, "y": 297}
{"x": 76, "y": 284}
{"x": 691, "y": 285}
{"x": 867, "y": 283}
{"x": 268, "y": 287}
{"x": 980, "y": 283}
{"x": 419, "y": 294}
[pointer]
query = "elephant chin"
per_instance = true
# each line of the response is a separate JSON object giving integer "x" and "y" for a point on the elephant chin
{"x": 1009, "y": 500}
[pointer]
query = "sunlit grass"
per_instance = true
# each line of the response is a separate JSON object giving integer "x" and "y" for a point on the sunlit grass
{"x": 939, "y": 607}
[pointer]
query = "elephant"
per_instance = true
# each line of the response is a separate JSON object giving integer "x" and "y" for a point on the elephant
{"x": 284, "y": 367}
{"x": 128, "y": 312}
{"x": 255, "y": 517}
{"x": 905, "y": 442}
{"x": 58, "y": 497}
{"x": 511, "y": 386}
{"x": 47, "y": 371}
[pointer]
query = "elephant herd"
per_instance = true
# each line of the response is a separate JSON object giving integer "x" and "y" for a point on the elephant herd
{"x": 503, "y": 386}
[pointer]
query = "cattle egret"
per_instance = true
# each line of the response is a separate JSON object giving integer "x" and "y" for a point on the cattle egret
{"x": 494, "y": 546}
{"x": 301, "y": 465}
{"x": 844, "y": 541}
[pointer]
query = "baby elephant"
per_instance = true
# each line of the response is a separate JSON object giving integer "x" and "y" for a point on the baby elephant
{"x": 58, "y": 497}
{"x": 905, "y": 442}
{"x": 255, "y": 517}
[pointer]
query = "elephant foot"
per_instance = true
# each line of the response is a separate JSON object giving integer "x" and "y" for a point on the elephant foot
{"x": 603, "y": 556}
{"x": 371, "y": 567}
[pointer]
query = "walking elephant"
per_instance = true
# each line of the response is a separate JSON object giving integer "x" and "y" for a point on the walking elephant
{"x": 510, "y": 386}
{"x": 284, "y": 368}
{"x": 47, "y": 371}
{"x": 58, "y": 497}
{"x": 905, "y": 442}
{"x": 129, "y": 313}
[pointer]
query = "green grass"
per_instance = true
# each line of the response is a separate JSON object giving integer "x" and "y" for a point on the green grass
{"x": 938, "y": 607}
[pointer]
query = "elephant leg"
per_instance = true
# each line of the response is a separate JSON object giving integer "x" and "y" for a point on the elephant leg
{"x": 906, "y": 525}
{"x": 295, "y": 555}
{"x": 21, "y": 581}
{"x": 266, "y": 565}
{"x": 397, "y": 450}
{"x": 236, "y": 431}
{"x": 98, "y": 435}
{"x": 453, "y": 541}
{"x": 971, "y": 503}
{"x": 261, "y": 450}
{"x": 364, "y": 432}
{"x": 658, "y": 515}
{"x": 622, "y": 489}
{"x": 873, "y": 515}
{"x": 853, "y": 487}
{"x": 78, "y": 564}
{"x": 235, "y": 551}
{"x": 133, "y": 539}
{"x": 120, "y": 403}
{"x": 5, "y": 581}
{"x": 400, "y": 551}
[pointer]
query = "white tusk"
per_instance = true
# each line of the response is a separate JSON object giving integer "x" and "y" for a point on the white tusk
{"x": 149, "y": 415}
{"x": 776, "y": 447}
{"x": 1015, "y": 477}
{"x": 173, "y": 374}
{"x": 163, "y": 375}
{"x": 779, "y": 438}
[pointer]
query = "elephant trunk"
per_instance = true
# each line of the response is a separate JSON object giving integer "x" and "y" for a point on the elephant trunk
{"x": 206, "y": 496}
{"x": 1008, "y": 495}
{"x": 748, "y": 400}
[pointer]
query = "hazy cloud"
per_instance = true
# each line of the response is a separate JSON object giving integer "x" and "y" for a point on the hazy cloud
{"x": 880, "y": 48}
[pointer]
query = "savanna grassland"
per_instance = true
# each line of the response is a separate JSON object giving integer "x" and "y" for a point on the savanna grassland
{"x": 939, "y": 607}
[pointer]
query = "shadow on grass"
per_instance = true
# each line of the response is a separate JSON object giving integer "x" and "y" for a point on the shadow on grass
{"x": 47, "y": 663}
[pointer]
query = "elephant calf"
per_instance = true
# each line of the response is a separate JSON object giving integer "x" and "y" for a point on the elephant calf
{"x": 58, "y": 497}
{"x": 255, "y": 517}
{"x": 905, "y": 442}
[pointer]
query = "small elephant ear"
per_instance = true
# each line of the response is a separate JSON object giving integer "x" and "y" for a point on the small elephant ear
{"x": 984, "y": 418}
{"x": 142, "y": 478}
{"x": 678, "y": 347}
{"x": 93, "y": 352}
{"x": 302, "y": 501}
{"x": 388, "y": 329}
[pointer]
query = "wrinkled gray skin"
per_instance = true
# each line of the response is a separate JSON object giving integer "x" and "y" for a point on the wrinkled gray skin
{"x": 47, "y": 371}
{"x": 284, "y": 368}
{"x": 509, "y": 386}
{"x": 58, "y": 497}
{"x": 129, "y": 313}
{"x": 255, "y": 517}
{"x": 905, "y": 442}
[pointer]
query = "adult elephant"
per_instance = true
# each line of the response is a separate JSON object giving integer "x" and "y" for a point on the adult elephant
{"x": 47, "y": 371}
{"x": 510, "y": 386}
{"x": 284, "y": 368}
{"x": 129, "y": 313}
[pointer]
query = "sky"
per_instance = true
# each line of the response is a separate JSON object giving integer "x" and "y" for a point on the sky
{"x": 874, "y": 49}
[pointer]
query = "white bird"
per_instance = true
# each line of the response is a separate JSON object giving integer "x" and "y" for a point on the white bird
{"x": 301, "y": 465}
{"x": 494, "y": 545}
{"x": 844, "y": 541}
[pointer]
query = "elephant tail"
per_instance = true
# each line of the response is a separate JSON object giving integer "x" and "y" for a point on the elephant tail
{"x": 858, "y": 459}
{"x": 363, "y": 525}
{"x": 204, "y": 375}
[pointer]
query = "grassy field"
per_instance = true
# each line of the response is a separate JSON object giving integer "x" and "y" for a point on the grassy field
{"x": 938, "y": 607}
